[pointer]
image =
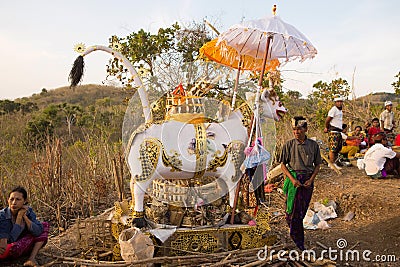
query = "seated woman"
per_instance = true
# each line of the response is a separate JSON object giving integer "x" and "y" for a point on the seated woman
{"x": 352, "y": 142}
{"x": 20, "y": 231}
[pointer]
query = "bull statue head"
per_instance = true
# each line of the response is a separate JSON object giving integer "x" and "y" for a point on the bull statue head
{"x": 270, "y": 105}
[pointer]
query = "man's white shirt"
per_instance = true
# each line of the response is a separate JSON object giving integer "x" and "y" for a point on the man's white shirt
{"x": 375, "y": 158}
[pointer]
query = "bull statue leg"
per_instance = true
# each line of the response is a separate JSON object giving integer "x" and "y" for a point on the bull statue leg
{"x": 144, "y": 174}
{"x": 138, "y": 190}
{"x": 232, "y": 173}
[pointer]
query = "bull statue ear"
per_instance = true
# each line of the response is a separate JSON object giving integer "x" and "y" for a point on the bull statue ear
{"x": 265, "y": 95}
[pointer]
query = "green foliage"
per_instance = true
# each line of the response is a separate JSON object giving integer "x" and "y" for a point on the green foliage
{"x": 29, "y": 107}
{"x": 293, "y": 94}
{"x": 50, "y": 113}
{"x": 323, "y": 95}
{"x": 41, "y": 127}
{"x": 53, "y": 118}
{"x": 70, "y": 113}
{"x": 37, "y": 131}
{"x": 9, "y": 106}
{"x": 44, "y": 91}
{"x": 162, "y": 59}
{"x": 325, "y": 92}
{"x": 396, "y": 84}
{"x": 143, "y": 48}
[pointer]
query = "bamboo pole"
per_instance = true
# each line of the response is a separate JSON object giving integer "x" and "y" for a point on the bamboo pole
{"x": 236, "y": 199}
{"x": 329, "y": 163}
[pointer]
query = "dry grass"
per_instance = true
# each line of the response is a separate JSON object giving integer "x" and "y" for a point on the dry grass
{"x": 84, "y": 173}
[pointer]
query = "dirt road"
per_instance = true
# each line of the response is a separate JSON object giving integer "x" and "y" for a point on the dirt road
{"x": 375, "y": 227}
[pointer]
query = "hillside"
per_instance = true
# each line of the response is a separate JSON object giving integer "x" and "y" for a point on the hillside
{"x": 68, "y": 154}
{"x": 379, "y": 98}
{"x": 84, "y": 95}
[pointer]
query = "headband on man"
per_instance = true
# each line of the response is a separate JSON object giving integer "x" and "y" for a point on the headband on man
{"x": 299, "y": 121}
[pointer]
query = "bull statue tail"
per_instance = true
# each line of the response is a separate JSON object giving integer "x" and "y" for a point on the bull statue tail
{"x": 76, "y": 74}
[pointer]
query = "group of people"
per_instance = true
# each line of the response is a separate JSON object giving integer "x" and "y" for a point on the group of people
{"x": 340, "y": 142}
{"x": 20, "y": 231}
{"x": 301, "y": 159}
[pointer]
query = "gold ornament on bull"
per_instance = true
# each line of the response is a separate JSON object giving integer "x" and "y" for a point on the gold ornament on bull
{"x": 79, "y": 48}
{"x": 115, "y": 45}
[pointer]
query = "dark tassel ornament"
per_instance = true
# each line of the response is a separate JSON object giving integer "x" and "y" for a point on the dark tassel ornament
{"x": 76, "y": 74}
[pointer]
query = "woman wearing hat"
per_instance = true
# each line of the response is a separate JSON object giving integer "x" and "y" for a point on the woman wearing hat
{"x": 387, "y": 118}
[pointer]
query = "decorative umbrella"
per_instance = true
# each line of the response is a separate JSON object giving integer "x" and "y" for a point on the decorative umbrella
{"x": 221, "y": 53}
{"x": 254, "y": 38}
{"x": 261, "y": 40}
{"x": 267, "y": 39}
{"x": 257, "y": 45}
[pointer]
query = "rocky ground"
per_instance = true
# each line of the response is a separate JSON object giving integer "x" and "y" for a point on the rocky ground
{"x": 375, "y": 226}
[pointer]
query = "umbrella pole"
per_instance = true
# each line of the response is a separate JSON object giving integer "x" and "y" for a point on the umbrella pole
{"x": 264, "y": 62}
{"x": 236, "y": 85}
{"x": 257, "y": 101}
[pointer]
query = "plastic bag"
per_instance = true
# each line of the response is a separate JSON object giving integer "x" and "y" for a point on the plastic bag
{"x": 311, "y": 220}
{"x": 135, "y": 245}
{"x": 324, "y": 212}
{"x": 257, "y": 156}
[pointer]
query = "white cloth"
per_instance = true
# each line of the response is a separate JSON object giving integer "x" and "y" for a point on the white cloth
{"x": 360, "y": 164}
{"x": 163, "y": 234}
{"x": 387, "y": 118}
{"x": 337, "y": 117}
{"x": 375, "y": 158}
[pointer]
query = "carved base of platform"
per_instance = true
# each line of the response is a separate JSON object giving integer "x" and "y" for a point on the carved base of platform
{"x": 210, "y": 239}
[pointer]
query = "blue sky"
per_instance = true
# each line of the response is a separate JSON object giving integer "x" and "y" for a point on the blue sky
{"x": 37, "y": 37}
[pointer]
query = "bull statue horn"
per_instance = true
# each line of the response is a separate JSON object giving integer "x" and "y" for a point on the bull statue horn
{"x": 76, "y": 73}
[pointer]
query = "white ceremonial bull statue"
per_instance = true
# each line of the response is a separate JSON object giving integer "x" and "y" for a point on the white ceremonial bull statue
{"x": 191, "y": 149}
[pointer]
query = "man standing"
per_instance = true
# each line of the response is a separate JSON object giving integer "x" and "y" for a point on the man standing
{"x": 300, "y": 162}
{"x": 387, "y": 118}
{"x": 333, "y": 126}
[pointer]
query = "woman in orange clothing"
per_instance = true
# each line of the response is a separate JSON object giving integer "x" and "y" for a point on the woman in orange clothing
{"x": 351, "y": 143}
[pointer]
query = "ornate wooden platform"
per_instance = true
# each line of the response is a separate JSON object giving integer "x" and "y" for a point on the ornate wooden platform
{"x": 208, "y": 239}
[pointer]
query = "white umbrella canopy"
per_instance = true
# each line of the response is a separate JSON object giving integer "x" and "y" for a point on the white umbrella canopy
{"x": 269, "y": 38}
{"x": 251, "y": 37}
